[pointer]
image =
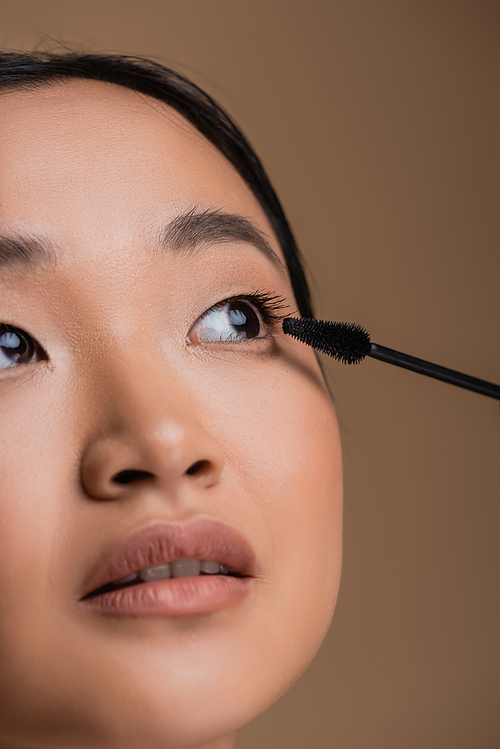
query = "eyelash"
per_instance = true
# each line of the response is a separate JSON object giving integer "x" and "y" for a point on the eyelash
{"x": 267, "y": 304}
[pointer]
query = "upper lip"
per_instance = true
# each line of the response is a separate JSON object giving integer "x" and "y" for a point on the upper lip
{"x": 161, "y": 542}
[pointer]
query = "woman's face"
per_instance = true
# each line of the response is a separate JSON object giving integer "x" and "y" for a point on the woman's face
{"x": 217, "y": 418}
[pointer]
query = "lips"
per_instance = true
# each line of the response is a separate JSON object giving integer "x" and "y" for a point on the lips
{"x": 161, "y": 543}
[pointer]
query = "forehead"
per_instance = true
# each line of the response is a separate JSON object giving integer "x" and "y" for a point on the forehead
{"x": 83, "y": 155}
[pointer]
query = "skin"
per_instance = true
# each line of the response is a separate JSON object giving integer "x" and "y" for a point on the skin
{"x": 98, "y": 170}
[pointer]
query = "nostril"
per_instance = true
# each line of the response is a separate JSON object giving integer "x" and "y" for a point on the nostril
{"x": 197, "y": 467}
{"x": 130, "y": 475}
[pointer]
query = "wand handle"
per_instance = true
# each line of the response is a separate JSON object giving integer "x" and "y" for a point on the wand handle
{"x": 434, "y": 370}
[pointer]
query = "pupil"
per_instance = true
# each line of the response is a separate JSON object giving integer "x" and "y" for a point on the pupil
{"x": 16, "y": 346}
{"x": 244, "y": 319}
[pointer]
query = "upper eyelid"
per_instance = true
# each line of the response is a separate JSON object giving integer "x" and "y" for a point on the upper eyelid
{"x": 267, "y": 300}
{"x": 266, "y": 303}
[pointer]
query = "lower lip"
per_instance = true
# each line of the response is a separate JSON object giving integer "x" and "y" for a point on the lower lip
{"x": 182, "y": 596}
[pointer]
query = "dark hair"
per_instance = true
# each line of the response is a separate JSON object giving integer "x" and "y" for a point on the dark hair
{"x": 30, "y": 70}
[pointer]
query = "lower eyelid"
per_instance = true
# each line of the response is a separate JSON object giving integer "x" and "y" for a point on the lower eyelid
{"x": 219, "y": 350}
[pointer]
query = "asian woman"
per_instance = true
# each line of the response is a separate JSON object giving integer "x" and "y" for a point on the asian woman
{"x": 171, "y": 492}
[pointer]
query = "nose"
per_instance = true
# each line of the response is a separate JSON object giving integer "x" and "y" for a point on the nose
{"x": 145, "y": 430}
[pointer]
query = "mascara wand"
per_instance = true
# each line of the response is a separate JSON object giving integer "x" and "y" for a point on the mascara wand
{"x": 350, "y": 343}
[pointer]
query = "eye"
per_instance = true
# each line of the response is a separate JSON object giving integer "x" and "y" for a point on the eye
{"x": 16, "y": 347}
{"x": 232, "y": 320}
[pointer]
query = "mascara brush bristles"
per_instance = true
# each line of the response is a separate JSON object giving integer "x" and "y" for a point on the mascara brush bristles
{"x": 349, "y": 343}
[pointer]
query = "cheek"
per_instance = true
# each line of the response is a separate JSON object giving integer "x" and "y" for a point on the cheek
{"x": 37, "y": 465}
{"x": 281, "y": 441}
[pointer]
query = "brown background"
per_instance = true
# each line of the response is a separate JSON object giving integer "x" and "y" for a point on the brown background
{"x": 379, "y": 124}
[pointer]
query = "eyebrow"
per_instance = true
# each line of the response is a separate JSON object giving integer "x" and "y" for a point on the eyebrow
{"x": 195, "y": 230}
{"x": 187, "y": 233}
{"x": 28, "y": 251}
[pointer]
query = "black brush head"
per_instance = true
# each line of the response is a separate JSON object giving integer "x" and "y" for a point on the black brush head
{"x": 347, "y": 342}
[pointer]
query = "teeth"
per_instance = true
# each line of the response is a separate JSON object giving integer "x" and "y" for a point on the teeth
{"x": 185, "y": 567}
{"x": 161, "y": 572}
{"x": 210, "y": 568}
{"x": 177, "y": 568}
